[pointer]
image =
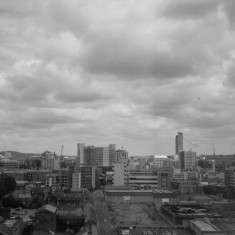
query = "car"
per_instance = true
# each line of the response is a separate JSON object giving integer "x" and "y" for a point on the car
{"x": 18, "y": 208}
{"x": 14, "y": 214}
{"x": 29, "y": 223}
{"x": 51, "y": 232}
{"x": 22, "y": 213}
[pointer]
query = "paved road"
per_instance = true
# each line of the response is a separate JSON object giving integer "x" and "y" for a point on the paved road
{"x": 105, "y": 227}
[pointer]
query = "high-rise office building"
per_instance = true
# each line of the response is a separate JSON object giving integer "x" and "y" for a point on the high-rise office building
{"x": 121, "y": 155}
{"x": 179, "y": 143}
{"x": 92, "y": 155}
{"x": 187, "y": 160}
{"x": 80, "y": 154}
{"x": 229, "y": 181}
{"x": 112, "y": 153}
{"x": 120, "y": 173}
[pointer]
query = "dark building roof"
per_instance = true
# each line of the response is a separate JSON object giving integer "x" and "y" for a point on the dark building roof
{"x": 47, "y": 207}
{"x": 157, "y": 193}
{"x": 191, "y": 210}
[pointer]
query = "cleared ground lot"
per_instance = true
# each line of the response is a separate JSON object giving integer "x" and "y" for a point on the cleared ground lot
{"x": 143, "y": 219}
{"x": 137, "y": 215}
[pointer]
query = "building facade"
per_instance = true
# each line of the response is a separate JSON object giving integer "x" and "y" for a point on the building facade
{"x": 120, "y": 173}
{"x": 8, "y": 164}
{"x": 187, "y": 160}
{"x": 145, "y": 179}
{"x": 160, "y": 161}
{"x": 121, "y": 155}
{"x": 164, "y": 177}
{"x": 92, "y": 155}
{"x": 179, "y": 142}
{"x": 229, "y": 182}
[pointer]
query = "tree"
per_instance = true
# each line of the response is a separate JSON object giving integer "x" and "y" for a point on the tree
{"x": 10, "y": 201}
{"x": 2, "y": 188}
{"x": 10, "y": 184}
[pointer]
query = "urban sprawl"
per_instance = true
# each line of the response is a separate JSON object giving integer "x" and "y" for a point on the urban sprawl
{"x": 104, "y": 191}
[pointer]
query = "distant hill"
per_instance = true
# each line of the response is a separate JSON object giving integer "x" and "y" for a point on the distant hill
{"x": 16, "y": 154}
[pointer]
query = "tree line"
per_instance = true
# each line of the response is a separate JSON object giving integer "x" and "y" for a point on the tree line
{"x": 7, "y": 186}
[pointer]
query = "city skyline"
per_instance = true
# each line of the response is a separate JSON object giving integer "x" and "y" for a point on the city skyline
{"x": 124, "y": 72}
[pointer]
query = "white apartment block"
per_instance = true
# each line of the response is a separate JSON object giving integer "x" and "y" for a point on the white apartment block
{"x": 120, "y": 173}
{"x": 160, "y": 161}
{"x": 92, "y": 155}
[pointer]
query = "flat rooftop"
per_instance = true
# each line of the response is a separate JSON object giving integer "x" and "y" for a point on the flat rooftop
{"x": 225, "y": 226}
{"x": 203, "y": 226}
{"x": 139, "y": 191}
{"x": 191, "y": 210}
{"x": 201, "y": 197}
{"x": 160, "y": 156}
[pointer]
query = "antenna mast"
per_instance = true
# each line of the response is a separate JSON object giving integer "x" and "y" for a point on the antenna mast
{"x": 213, "y": 149}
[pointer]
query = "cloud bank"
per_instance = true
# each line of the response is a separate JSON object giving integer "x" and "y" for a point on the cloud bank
{"x": 124, "y": 72}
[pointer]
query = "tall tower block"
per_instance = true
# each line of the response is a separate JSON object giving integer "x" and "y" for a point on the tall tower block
{"x": 80, "y": 154}
{"x": 179, "y": 143}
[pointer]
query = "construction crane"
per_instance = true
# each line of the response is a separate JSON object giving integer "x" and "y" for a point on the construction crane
{"x": 190, "y": 142}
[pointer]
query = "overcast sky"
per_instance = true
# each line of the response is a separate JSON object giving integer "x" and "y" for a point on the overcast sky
{"x": 129, "y": 72}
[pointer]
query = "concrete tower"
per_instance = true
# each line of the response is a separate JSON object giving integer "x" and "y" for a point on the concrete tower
{"x": 179, "y": 143}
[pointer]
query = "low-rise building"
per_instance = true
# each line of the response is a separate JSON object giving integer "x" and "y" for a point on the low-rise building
{"x": 69, "y": 217}
{"x": 180, "y": 215}
{"x": 212, "y": 227}
{"x": 143, "y": 178}
{"x": 45, "y": 218}
{"x": 226, "y": 208}
{"x": 164, "y": 177}
{"x": 70, "y": 211}
{"x": 8, "y": 164}
{"x": 158, "y": 197}
{"x": 190, "y": 187}
{"x": 12, "y": 227}
{"x": 160, "y": 161}
{"x": 200, "y": 227}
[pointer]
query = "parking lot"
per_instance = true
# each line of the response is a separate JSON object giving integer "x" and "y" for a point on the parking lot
{"x": 24, "y": 214}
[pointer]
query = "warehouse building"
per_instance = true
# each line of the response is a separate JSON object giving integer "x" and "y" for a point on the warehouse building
{"x": 158, "y": 197}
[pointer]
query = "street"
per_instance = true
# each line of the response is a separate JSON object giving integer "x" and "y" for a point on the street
{"x": 105, "y": 227}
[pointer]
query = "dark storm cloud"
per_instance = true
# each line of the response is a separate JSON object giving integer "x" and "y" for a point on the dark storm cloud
{"x": 129, "y": 61}
{"x": 230, "y": 75}
{"x": 190, "y": 9}
{"x": 229, "y": 7}
{"x": 115, "y": 71}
